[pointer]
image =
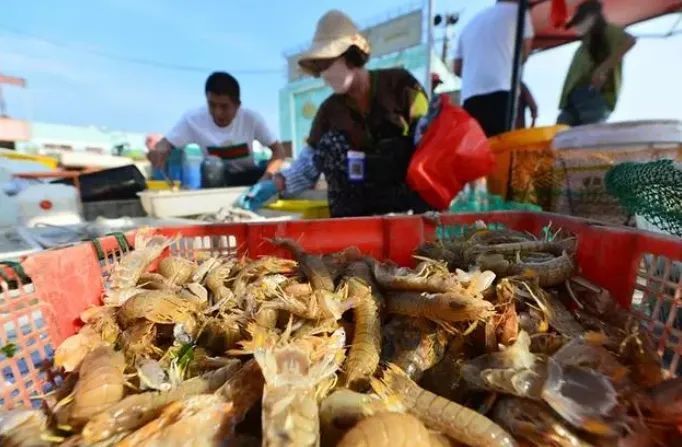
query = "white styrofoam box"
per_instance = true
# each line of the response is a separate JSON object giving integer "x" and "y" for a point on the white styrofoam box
{"x": 51, "y": 204}
{"x": 77, "y": 159}
{"x": 628, "y": 133}
{"x": 643, "y": 224}
{"x": 189, "y": 203}
{"x": 14, "y": 243}
{"x": 9, "y": 210}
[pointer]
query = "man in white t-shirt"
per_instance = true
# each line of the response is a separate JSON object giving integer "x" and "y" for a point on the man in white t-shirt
{"x": 484, "y": 59}
{"x": 225, "y": 129}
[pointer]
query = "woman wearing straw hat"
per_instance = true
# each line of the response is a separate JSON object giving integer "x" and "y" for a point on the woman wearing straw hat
{"x": 362, "y": 137}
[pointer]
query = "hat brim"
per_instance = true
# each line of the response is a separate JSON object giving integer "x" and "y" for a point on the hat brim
{"x": 330, "y": 50}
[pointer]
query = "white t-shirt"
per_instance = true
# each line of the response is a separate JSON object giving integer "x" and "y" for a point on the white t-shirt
{"x": 486, "y": 47}
{"x": 233, "y": 143}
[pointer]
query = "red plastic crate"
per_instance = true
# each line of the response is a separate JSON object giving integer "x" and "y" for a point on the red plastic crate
{"x": 641, "y": 269}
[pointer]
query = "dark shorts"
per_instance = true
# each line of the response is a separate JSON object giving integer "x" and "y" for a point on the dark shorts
{"x": 490, "y": 110}
{"x": 585, "y": 105}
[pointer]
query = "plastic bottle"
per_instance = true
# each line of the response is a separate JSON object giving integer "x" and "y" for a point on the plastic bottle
{"x": 191, "y": 167}
{"x": 174, "y": 164}
{"x": 212, "y": 172}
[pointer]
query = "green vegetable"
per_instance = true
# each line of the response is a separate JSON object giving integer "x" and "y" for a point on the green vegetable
{"x": 9, "y": 350}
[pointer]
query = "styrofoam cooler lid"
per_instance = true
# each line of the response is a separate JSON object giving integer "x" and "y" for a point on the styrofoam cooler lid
{"x": 627, "y": 133}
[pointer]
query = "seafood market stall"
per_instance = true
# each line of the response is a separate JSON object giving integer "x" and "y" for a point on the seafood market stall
{"x": 466, "y": 328}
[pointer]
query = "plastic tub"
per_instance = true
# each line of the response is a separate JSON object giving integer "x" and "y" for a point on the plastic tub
{"x": 307, "y": 209}
{"x": 113, "y": 209}
{"x": 39, "y": 316}
{"x": 161, "y": 185}
{"x": 584, "y": 154}
{"x": 523, "y": 169}
{"x": 189, "y": 203}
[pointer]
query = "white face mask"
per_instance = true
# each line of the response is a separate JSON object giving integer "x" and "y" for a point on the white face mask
{"x": 338, "y": 76}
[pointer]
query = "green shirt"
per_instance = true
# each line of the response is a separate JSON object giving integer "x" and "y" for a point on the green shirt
{"x": 583, "y": 66}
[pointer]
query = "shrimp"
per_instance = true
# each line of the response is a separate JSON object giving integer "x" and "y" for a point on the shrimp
{"x": 103, "y": 320}
{"x": 266, "y": 318}
{"x": 137, "y": 409}
{"x": 387, "y": 429}
{"x": 220, "y": 334}
{"x": 583, "y": 397}
{"x": 343, "y": 408}
{"x": 155, "y": 281}
{"x": 262, "y": 266}
{"x": 507, "y": 320}
{"x": 23, "y": 428}
{"x": 243, "y": 389}
{"x": 158, "y": 306}
{"x": 100, "y": 384}
{"x": 556, "y": 313}
{"x": 292, "y": 371}
{"x": 71, "y": 352}
{"x": 546, "y": 344}
{"x": 450, "y": 307}
{"x": 215, "y": 281}
{"x": 363, "y": 355}
{"x": 177, "y": 270}
{"x": 126, "y": 273}
{"x": 535, "y": 423}
{"x": 414, "y": 345}
{"x": 201, "y": 271}
{"x": 312, "y": 266}
{"x": 438, "y": 251}
{"x": 437, "y": 413}
{"x": 586, "y": 352}
{"x": 432, "y": 277}
{"x": 515, "y": 370}
{"x": 445, "y": 378}
{"x": 321, "y": 305}
{"x": 138, "y": 341}
{"x": 199, "y": 420}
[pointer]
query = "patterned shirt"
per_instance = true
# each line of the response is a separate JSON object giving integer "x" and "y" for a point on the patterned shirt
{"x": 301, "y": 174}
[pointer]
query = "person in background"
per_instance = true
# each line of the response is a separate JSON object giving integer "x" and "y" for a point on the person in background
{"x": 594, "y": 78}
{"x": 225, "y": 129}
{"x": 484, "y": 58}
{"x": 362, "y": 137}
{"x": 435, "y": 82}
{"x": 526, "y": 101}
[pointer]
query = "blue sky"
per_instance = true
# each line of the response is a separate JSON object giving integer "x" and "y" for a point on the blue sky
{"x": 59, "y": 46}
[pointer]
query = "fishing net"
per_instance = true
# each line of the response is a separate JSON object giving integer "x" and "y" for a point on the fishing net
{"x": 652, "y": 190}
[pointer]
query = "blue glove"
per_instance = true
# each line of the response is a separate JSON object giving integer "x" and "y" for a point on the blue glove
{"x": 256, "y": 197}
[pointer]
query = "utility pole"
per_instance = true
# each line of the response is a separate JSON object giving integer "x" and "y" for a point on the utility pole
{"x": 517, "y": 65}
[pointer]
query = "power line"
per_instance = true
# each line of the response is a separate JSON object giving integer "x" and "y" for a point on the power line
{"x": 139, "y": 61}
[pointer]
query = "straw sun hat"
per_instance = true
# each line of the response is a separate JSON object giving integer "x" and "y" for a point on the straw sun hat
{"x": 335, "y": 33}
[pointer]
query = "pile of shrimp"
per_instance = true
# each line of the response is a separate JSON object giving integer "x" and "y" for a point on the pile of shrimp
{"x": 492, "y": 339}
